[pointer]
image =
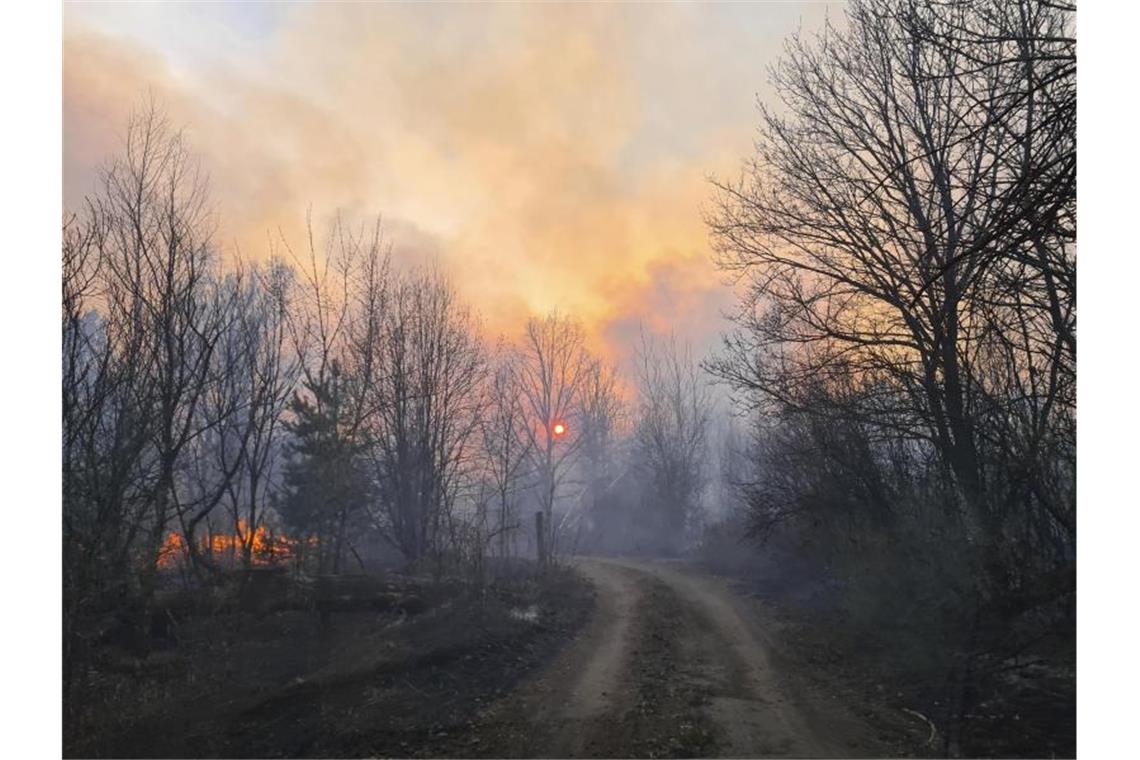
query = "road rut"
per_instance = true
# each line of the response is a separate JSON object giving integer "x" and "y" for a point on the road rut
{"x": 673, "y": 663}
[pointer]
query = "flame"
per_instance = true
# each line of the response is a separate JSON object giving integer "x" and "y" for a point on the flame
{"x": 266, "y": 547}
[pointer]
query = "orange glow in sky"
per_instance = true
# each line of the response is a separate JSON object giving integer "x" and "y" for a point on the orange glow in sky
{"x": 516, "y": 145}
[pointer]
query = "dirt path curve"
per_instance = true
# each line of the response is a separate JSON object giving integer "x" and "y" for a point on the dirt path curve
{"x": 673, "y": 663}
{"x": 754, "y": 711}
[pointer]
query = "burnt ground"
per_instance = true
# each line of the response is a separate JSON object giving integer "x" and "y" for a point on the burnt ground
{"x": 368, "y": 684}
{"x": 1029, "y": 712}
{"x": 646, "y": 659}
{"x": 674, "y": 663}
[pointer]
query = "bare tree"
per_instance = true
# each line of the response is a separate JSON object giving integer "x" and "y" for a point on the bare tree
{"x": 1033, "y": 43}
{"x": 270, "y": 374}
{"x": 506, "y": 443}
{"x": 550, "y": 374}
{"x": 671, "y": 435}
{"x": 96, "y": 386}
{"x": 602, "y": 419}
{"x": 904, "y": 236}
{"x": 107, "y": 476}
{"x": 157, "y": 281}
{"x": 242, "y": 410}
{"x": 425, "y": 404}
{"x": 860, "y": 225}
{"x": 218, "y": 452}
{"x": 320, "y": 311}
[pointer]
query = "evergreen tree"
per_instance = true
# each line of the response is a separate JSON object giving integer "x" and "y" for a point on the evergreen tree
{"x": 326, "y": 487}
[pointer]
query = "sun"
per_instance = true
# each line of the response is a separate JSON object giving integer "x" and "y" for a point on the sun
{"x": 559, "y": 429}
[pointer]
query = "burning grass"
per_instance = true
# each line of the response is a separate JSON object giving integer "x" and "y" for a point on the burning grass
{"x": 265, "y": 547}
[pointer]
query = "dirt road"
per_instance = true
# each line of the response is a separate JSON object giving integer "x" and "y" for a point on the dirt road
{"x": 673, "y": 663}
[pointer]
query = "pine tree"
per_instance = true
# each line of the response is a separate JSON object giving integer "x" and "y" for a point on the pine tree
{"x": 326, "y": 486}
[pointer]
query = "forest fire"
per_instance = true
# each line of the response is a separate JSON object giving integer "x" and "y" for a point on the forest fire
{"x": 266, "y": 547}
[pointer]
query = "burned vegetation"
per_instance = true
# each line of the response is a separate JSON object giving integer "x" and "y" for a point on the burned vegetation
{"x": 905, "y": 237}
{"x": 310, "y": 509}
{"x": 313, "y": 478}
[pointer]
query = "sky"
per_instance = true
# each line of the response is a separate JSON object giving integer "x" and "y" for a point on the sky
{"x": 546, "y": 155}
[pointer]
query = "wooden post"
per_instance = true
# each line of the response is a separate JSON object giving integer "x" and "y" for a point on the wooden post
{"x": 541, "y": 534}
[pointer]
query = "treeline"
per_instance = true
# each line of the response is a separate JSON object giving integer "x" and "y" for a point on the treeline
{"x": 326, "y": 394}
{"x": 905, "y": 235}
